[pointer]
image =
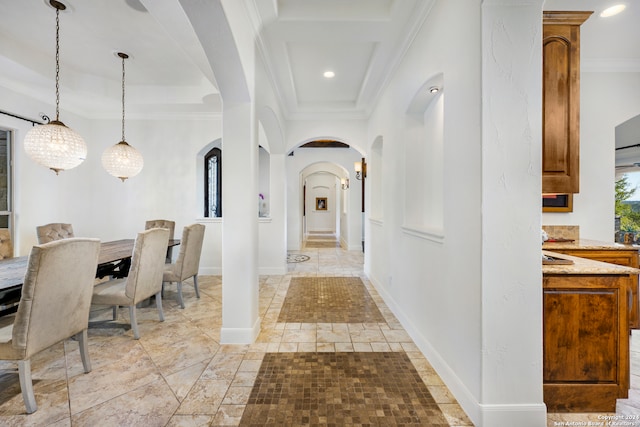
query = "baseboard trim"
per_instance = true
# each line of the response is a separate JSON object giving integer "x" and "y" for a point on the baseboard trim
{"x": 240, "y": 335}
{"x": 513, "y": 415}
{"x": 210, "y": 271}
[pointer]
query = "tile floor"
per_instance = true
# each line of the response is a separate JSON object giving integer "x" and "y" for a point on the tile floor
{"x": 346, "y": 388}
{"x": 329, "y": 300}
{"x": 178, "y": 374}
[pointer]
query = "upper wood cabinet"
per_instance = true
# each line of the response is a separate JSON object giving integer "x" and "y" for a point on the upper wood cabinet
{"x": 561, "y": 101}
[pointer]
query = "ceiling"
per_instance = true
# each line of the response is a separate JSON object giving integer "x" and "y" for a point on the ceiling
{"x": 169, "y": 75}
{"x": 361, "y": 41}
{"x": 167, "y": 72}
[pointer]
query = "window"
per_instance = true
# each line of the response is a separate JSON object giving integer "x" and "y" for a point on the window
{"x": 213, "y": 183}
{"x": 5, "y": 179}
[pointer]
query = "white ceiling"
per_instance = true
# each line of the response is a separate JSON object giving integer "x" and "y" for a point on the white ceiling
{"x": 360, "y": 40}
{"x": 169, "y": 74}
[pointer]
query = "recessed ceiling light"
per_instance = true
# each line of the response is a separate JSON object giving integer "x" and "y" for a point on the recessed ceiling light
{"x": 434, "y": 89}
{"x": 329, "y": 74}
{"x": 613, "y": 10}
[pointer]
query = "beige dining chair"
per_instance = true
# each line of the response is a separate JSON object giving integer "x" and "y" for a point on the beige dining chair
{"x": 163, "y": 223}
{"x": 54, "y": 231}
{"x": 55, "y": 302}
{"x": 188, "y": 261}
{"x": 6, "y": 247}
{"x": 144, "y": 279}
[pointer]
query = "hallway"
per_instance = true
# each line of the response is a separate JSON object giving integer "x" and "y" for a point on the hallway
{"x": 349, "y": 364}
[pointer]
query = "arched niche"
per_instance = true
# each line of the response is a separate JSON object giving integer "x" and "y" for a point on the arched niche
{"x": 424, "y": 161}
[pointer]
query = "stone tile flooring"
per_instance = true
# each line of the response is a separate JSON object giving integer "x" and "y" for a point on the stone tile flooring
{"x": 297, "y": 389}
{"x": 329, "y": 300}
{"x": 323, "y": 245}
{"x": 321, "y": 239}
{"x": 178, "y": 373}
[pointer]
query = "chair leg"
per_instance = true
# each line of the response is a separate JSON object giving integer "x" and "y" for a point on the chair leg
{"x": 115, "y": 312}
{"x": 195, "y": 285}
{"x": 26, "y": 385}
{"x": 159, "y": 306}
{"x": 134, "y": 321}
{"x": 180, "y": 300}
{"x": 84, "y": 350}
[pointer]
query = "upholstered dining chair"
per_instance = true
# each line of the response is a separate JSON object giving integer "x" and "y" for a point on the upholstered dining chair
{"x": 6, "y": 247}
{"x": 188, "y": 261}
{"x": 163, "y": 223}
{"x": 55, "y": 302}
{"x": 144, "y": 279}
{"x": 54, "y": 231}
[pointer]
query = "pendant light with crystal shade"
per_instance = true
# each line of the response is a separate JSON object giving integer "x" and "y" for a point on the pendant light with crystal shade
{"x": 122, "y": 160}
{"x": 54, "y": 145}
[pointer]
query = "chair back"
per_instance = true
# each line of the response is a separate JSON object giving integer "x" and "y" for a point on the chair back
{"x": 147, "y": 264}
{"x": 6, "y": 247}
{"x": 54, "y": 231}
{"x": 56, "y": 295}
{"x": 163, "y": 223}
{"x": 188, "y": 261}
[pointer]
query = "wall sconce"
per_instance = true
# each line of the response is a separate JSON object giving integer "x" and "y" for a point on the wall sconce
{"x": 344, "y": 182}
{"x": 361, "y": 169}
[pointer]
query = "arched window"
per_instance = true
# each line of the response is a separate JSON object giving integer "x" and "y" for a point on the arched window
{"x": 213, "y": 183}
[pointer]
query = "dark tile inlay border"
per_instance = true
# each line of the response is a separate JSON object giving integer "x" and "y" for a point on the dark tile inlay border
{"x": 309, "y": 244}
{"x": 340, "y": 389}
{"x": 329, "y": 300}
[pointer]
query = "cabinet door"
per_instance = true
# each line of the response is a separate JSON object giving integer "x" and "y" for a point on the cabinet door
{"x": 628, "y": 258}
{"x": 585, "y": 342}
{"x": 561, "y": 101}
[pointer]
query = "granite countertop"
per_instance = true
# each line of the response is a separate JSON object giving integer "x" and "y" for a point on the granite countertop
{"x": 584, "y": 266}
{"x": 588, "y": 244}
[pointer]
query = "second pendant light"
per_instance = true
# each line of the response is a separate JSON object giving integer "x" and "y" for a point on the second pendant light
{"x": 122, "y": 160}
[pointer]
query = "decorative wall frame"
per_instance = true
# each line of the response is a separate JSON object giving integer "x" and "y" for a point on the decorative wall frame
{"x": 321, "y": 203}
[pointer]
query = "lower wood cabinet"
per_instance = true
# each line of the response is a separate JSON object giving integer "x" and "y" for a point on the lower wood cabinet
{"x": 619, "y": 256}
{"x": 586, "y": 342}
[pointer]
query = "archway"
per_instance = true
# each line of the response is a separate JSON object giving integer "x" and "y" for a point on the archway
{"x": 337, "y": 161}
{"x": 324, "y": 198}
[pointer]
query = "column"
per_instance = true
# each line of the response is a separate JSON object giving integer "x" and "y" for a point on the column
{"x": 240, "y": 321}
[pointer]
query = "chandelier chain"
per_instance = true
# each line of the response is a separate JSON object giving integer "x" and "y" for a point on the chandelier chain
{"x": 57, "y": 64}
{"x": 123, "y": 98}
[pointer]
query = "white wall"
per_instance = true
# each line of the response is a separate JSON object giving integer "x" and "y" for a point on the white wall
{"x": 469, "y": 293}
{"x": 169, "y": 186}
{"x": 272, "y": 230}
{"x": 606, "y": 100}
{"x": 100, "y": 205}
{"x": 321, "y": 185}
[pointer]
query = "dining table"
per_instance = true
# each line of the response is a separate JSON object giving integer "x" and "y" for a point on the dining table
{"x": 114, "y": 254}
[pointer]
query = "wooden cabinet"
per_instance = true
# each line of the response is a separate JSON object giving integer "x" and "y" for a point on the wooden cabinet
{"x": 622, "y": 256}
{"x": 586, "y": 342}
{"x": 561, "y": 101}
